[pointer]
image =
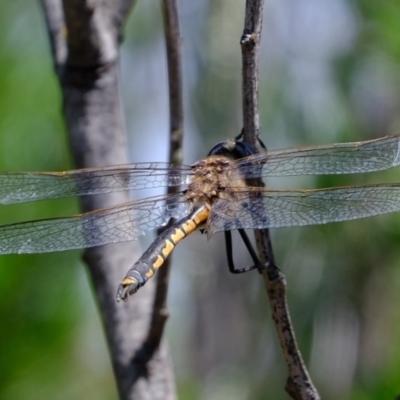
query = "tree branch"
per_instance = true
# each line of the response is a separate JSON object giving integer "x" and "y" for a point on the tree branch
{"x": 299, "y": 385}
{"x": 86, "y": 62}
{"x": 173, "y": 50}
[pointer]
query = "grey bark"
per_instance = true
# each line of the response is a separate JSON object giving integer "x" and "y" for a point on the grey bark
{"x": 85, "y": 38}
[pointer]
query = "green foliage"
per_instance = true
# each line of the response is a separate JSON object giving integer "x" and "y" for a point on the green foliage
{"x": 45, "y": 313}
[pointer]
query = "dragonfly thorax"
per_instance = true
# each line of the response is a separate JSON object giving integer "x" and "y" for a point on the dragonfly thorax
{"x": 213, "y": 177}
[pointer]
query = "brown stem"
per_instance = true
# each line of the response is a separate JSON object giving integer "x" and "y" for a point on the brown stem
{"x": 299, "y": 385}
{"x": 173, "y": 47}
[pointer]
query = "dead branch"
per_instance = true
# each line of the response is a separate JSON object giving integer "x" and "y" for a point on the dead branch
{"x": 299, "y": 385}
{"x": 173, "y": 49}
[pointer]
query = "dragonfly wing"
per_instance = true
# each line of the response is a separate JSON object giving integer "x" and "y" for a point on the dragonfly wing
{"x": 339, "y": 158}
{"x": 122, "y": 223}
{"x": 20, "y": 187}
{"x": 266, "y": 208}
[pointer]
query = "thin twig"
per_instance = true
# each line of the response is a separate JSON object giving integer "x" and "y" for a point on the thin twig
{"x": 250, "y": 45}
{"x": 173, "y": 49}
{"x": 299, "y": 385}
{"x": 86, "y": 59}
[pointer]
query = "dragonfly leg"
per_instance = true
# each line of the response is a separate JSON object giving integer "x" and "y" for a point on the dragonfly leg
{"x": 231, "y": 264}
{"x": 228, "y": 247}
{"x": 241, "y": 134}
{"x": 257, "y": 263}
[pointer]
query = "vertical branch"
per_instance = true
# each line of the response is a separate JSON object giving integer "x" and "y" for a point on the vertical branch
{"x": 84, "y": 37}
{"x": 174, "y": 59}
{"x": 299, "y": 385}
{"x": 250, "y": 44}
{"x": 173, "y": 50}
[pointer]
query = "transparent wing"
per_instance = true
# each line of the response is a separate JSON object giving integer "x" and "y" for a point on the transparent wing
{"x": 259, "y": 208}
{"x": 122, "y": 223}
{"x": 339, "y": 158}
{"x": 20, "y": 187}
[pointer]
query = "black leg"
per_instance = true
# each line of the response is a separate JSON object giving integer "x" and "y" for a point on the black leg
{"x": 241, "y": 134}
{"x": 246, "y": 240}
{"x": 250, "y": 248}
{"x": 229, "y": 255}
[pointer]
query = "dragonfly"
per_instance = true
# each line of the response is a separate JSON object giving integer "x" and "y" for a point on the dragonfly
{"x": 217, "y": 198}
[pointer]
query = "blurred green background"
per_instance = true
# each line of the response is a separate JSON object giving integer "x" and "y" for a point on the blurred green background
{"x": 329, "y": 72}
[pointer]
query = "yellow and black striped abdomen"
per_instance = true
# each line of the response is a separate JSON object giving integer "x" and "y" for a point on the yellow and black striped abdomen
{"x": 154, "y": 257}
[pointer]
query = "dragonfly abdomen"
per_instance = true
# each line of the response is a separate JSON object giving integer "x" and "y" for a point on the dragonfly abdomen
{"x": 154, "y": 257}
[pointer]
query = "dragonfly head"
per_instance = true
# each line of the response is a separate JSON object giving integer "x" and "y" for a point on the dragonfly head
{"x": 233, "y": 149}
